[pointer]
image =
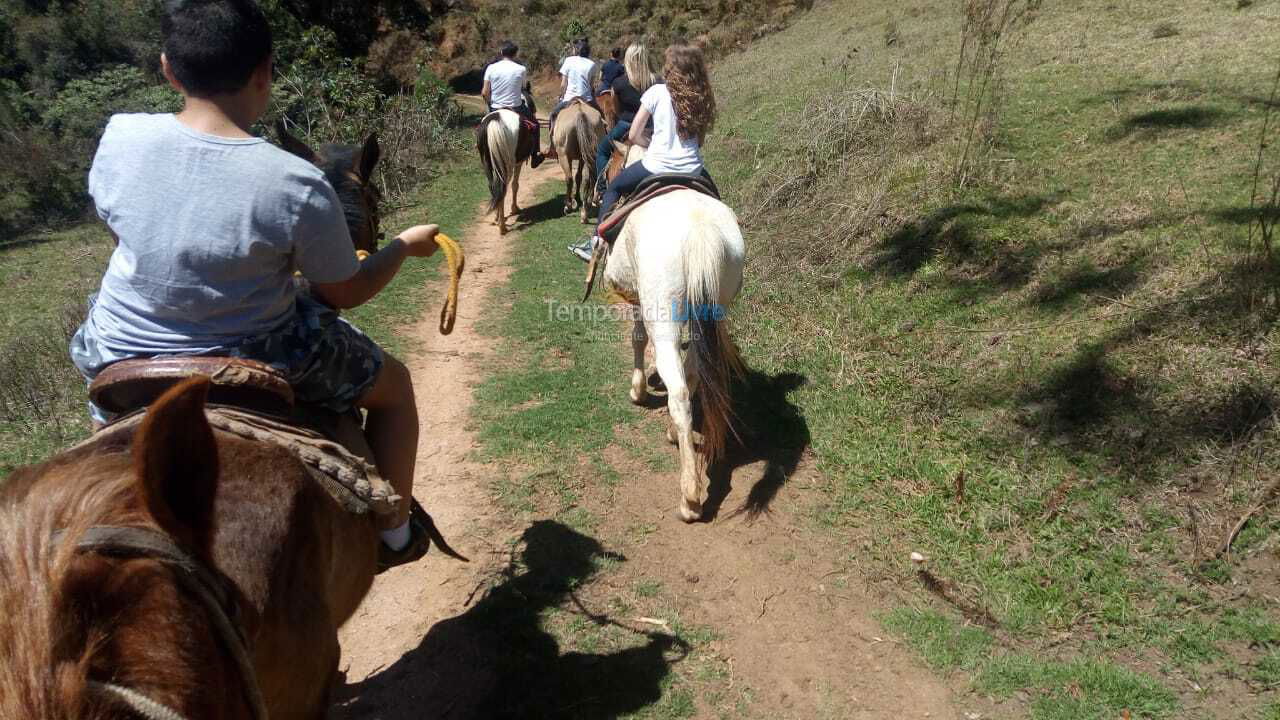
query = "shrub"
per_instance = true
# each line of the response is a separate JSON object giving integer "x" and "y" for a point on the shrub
{"x": 80, "y": 111}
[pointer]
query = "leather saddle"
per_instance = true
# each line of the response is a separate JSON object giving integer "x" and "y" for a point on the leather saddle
{"x": 649, "y": 188}
{"x": 526, "y": 142}
{"x": 132, "y": 384}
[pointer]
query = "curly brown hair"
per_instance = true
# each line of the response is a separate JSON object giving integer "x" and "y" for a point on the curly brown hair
{"x": 685, "y": 71}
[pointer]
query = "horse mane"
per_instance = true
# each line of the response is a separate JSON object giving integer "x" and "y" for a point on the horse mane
{"x": 46, "y": 647}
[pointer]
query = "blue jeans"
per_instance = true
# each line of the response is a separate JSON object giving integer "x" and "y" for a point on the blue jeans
{"x": 604, "y": 150}
{"x": 626, "y": 182}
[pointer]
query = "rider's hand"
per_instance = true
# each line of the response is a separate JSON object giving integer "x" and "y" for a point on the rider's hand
{"x": 420, "y": 240}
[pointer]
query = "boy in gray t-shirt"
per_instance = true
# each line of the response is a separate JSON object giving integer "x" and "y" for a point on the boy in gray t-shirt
{"x": 210, "y": 224}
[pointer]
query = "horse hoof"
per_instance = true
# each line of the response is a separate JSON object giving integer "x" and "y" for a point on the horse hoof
{"x": 502, "y": 229}
{"x": 690, "y": 512}
{"x": 671, "y": 434}
{"x": 638, "y": 398}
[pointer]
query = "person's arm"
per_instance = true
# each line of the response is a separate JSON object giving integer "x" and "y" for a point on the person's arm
{"x": 486, "y": 92}
{"x": 637, "y": 134}
{"x": 378, "y": 269}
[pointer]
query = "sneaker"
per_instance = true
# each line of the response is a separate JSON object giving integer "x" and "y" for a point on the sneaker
{"x": 584, "y": 249}
{"x": 419, "y": 542}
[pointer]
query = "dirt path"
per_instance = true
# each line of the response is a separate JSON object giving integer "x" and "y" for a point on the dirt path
{"x": 405, "y": 602}
{"x": 794, "y": 627}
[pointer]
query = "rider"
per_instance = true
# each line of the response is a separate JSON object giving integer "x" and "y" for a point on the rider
{"x": 636, "y": 78}
{"x": 683, "y": 110}
{"x": 504, "y": 84}
{"x": 210, "y": 224}
{"x": 611, "y": 70}
{"x": 575, "y": 82}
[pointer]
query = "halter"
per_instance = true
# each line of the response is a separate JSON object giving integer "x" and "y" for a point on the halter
{"x": 212, "y": 592}
{"x": 371, "y": 197}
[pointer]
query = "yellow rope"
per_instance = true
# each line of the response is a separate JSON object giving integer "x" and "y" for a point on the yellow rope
{"x": 457, "y": 261}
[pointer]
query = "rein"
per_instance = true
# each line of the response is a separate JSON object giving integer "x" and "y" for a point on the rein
{"x": 212, "y": 592}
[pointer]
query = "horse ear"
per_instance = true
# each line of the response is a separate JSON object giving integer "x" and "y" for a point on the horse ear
{"x": 369, "y": 156}
{"x": 176, "y": 460}
{"x": 293, "y": 144}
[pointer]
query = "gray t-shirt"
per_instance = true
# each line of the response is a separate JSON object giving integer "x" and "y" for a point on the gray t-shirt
{"x": 211, "y": 230}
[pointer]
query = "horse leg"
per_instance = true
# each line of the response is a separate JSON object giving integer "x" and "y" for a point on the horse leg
{"x": 639, "y": 341}
{"x": 567, "y": 168}
{"x": 502, "y": 211}
{"x": 580, "y": 182}
{"x": 515, "y": 193}
{"x": 666, "y": 348}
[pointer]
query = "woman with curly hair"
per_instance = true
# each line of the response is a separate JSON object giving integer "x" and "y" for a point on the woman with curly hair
{"x": 683, "y": 110}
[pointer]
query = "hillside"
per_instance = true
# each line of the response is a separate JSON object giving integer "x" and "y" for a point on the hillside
{"x": 1056, "y": 379}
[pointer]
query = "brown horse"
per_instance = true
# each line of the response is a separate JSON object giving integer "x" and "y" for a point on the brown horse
{"x": 609, "y": 107}
{"x": 349, "y": 169}
{"x": 578, "y": 129}
{"x": 112, "y": 632}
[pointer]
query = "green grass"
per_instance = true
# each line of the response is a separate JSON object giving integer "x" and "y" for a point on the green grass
{"x": 1071, "y": 331}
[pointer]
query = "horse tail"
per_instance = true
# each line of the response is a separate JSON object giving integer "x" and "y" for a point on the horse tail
{"x": 497, "y": 146}
{"x": 586, "y": 143}
{"x": 716, "y": 359}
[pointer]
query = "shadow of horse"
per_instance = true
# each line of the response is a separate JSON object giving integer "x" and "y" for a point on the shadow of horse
{"x": 497, "y": 661}
{"x": 771, "y": 429}
{"x": 549, "y": 209}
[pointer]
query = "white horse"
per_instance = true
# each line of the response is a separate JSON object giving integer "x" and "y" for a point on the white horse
{"x": 679, "y": 261}
{"x": 503, "y": 154}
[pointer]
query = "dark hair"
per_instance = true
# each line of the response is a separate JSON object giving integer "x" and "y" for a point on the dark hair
{"x": 616, "y": 53}
{"x": 582, "y": 47}
{"x": 213, "y": 46}
{"x": 509, "y": 49}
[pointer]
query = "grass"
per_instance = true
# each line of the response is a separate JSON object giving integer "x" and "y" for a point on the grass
{"x": 1069, "y": 332}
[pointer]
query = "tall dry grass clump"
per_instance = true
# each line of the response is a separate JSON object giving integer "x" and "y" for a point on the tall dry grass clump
{"x": 41, "y": 394}
{"x": 987, "y": 31}
{"x": 1264, "y": 202}
{"x": 841, "y": 181}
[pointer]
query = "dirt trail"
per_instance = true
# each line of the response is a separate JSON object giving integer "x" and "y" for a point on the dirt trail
{"x": 405, "y": 602}
{"x": 793, "y": 629}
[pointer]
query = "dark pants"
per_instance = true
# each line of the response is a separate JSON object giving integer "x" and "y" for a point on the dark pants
{"x": 626, "y": 183}
{"x": 604, "y": 150}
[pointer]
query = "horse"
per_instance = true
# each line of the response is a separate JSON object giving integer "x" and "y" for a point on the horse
{"x": 679, "y": 261}
{"x": 100, "y": 628}
{"x": 608, "y": 107}
{"x": 164, "y": 569}
{"x": 579, "y": 128}
{"x": 503, "y": 149}
{"x": 349, "y": 170}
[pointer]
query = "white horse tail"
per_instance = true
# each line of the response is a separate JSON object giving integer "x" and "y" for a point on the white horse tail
{"x": 497, "y": 146}
{"x": 716, "y": 359}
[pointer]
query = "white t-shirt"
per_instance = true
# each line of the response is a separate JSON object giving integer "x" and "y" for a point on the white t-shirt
{"x": 667, "y": 152}
{"x": 506, "y": 83}
{"x": 578, "y": 70}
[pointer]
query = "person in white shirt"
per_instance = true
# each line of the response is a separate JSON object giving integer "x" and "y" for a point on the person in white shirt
{"x": 575, "y": 82}
{"x": 505, "y": 83}
{"x": 683, "y": 110}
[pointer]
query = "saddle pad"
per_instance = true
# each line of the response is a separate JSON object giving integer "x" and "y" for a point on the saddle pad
{"x": 648, "y": 189}
{"x": 351, "y": 480}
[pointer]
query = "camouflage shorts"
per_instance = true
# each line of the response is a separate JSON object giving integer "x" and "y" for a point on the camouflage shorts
{"x": 328, "y": 360}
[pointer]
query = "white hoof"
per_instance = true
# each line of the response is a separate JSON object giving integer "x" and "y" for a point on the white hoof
{"x": 690, "y": 512}
{"x": 638, "y": 397}
{"x": 671, "y": 434}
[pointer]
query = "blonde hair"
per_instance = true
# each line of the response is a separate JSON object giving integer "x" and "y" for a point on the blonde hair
{"x": 685, "y": 71}
{"x": 639, "y": 72}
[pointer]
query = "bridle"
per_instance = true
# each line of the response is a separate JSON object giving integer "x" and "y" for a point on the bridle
{"x": 213, "y": 592}
{"x": 370, "y": 197}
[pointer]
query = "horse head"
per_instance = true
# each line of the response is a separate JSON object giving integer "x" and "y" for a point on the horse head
{"x": 349, "y": 169}
{"x": 527, "y": 93}
{"x": 96, "y": 547}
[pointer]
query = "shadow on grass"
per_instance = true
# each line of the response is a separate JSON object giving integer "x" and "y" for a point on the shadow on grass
{"x": 1086, "y": 279}
{"x": 947, "y": 229}
{"x": 1248, "y": 215}
{"x": 497, "y": 661}
{"x": 550, "y": 209}
{"x": 1187, "y": 117}
{"x": 771, "y": 430}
